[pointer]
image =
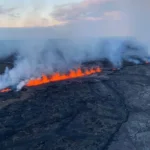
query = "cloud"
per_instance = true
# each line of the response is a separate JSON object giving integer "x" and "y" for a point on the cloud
{"x": 87, "y": 10}
{"x": 7, "y": 11}
{"x": 115, "y": 15}
{"x": 86, "y": 18}
{"x": 92, "y": 18}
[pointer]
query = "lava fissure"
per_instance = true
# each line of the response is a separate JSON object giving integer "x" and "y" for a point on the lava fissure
{"x": 59, "y": 77}
{"x": 5, "y": 90}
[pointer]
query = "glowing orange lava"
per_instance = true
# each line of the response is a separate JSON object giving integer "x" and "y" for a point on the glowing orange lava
{"x": 59, "y": 77}
{"x": 5, "y": 90}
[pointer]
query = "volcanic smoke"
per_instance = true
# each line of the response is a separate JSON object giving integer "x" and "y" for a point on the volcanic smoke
{"x": 59, "y": 77}
{"x": 39, "y": 58}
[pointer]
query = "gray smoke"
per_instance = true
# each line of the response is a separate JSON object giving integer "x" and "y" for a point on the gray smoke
{"x": 36, "y": 57}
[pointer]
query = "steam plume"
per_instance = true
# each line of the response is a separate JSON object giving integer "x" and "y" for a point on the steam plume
{"x": 35, "y": 57}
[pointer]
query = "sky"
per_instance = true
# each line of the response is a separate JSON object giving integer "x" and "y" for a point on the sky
{"x": 30, "y": 13}
{"x": 64, "y": 18}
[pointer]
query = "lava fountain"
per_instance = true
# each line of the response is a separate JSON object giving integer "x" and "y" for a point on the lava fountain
{"x": 59, "y": 77}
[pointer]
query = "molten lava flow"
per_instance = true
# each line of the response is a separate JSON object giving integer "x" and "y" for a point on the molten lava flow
{"x": 59, "y": 77}
{"x": 5, "y": 90}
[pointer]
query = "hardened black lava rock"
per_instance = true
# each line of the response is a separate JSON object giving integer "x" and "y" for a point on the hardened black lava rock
{"x": 92, "y": 113}
{"x": 7, "y": 62}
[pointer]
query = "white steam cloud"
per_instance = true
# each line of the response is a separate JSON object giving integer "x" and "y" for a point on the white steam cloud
{"x": 35, "y": 57}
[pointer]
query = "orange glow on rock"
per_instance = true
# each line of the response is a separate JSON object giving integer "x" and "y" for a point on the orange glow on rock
{"x": 5, "y": 90}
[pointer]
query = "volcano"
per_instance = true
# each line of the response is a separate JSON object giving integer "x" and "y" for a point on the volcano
{"x": 102, "y": 111}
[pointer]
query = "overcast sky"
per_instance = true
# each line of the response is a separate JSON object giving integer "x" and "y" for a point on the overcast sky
{"x": 64, "y": 18}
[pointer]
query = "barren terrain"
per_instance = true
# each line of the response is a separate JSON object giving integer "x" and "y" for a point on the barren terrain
{"x": 107, "y": 111}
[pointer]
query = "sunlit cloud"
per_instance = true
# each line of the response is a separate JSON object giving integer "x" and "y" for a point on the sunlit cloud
{"x": 86, "y": 10}
{"x": 30, "y": 22}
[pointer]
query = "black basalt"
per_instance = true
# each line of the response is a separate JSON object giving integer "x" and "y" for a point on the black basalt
{"x": 80, "y": 114}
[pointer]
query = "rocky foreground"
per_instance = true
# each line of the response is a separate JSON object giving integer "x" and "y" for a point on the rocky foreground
{"x": 110, "y": 112}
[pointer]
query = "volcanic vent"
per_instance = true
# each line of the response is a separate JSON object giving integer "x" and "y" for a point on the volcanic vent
{"x": 55, "y": 77}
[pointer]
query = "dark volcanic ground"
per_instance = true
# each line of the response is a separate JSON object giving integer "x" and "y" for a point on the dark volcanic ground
{"x": 110, "y": 112}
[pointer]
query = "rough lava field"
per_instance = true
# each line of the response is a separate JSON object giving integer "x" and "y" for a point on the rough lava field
{"x": 105, "y": 111}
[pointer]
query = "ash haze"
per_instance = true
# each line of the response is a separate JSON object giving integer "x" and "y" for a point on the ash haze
{"x": 61, "y": 34}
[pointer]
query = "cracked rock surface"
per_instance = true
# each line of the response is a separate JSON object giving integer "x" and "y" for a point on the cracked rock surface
{"x": 95, "y": 113}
